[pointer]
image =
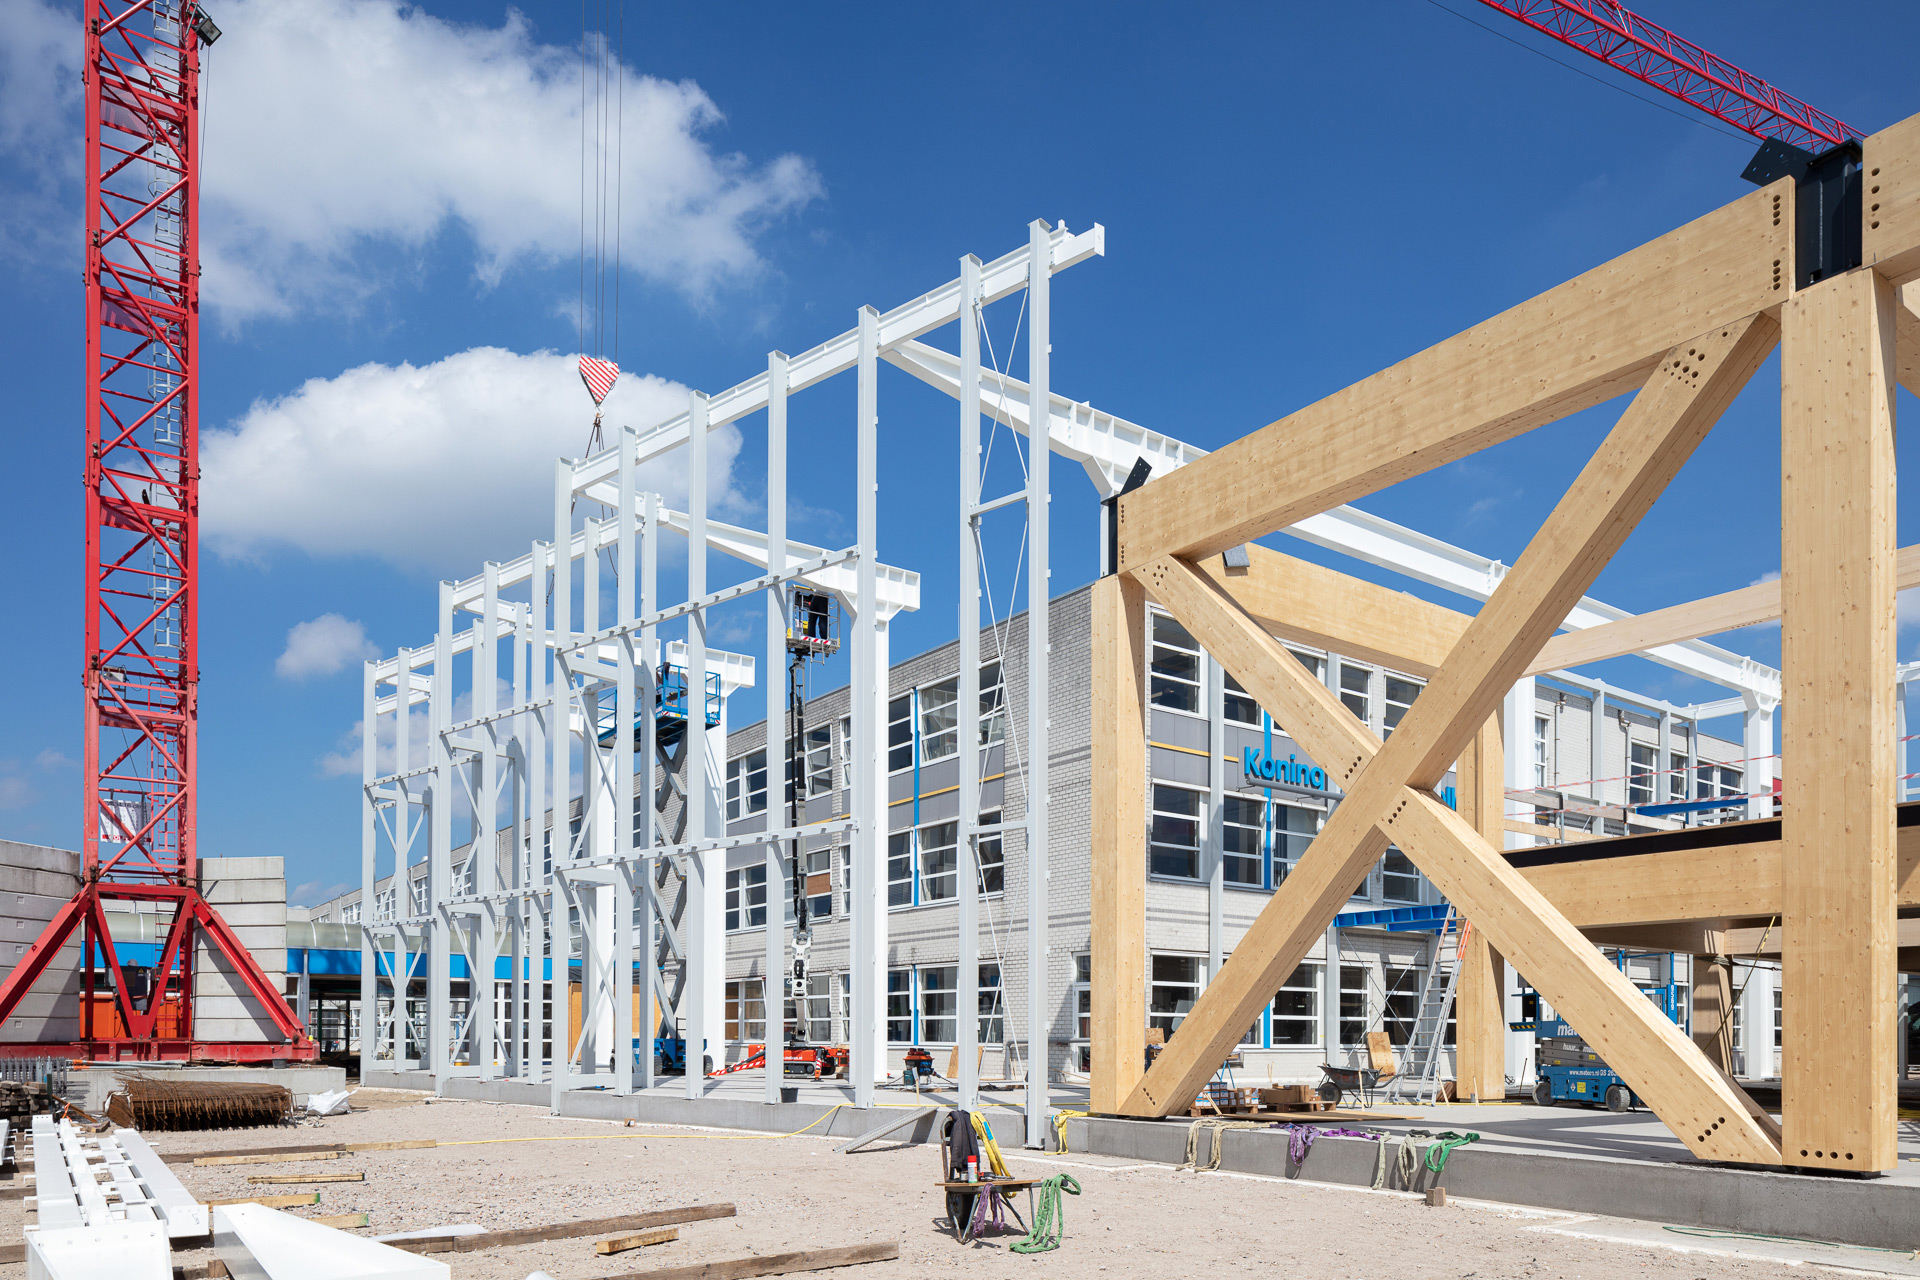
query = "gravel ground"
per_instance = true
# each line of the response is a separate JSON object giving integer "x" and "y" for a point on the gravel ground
{"x": 794, "y": 1193}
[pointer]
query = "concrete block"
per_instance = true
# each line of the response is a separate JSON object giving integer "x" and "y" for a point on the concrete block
{"x": 258, "y": 1243}
{"x": 39, "y": 857}
{"x": 214, "y": 869}
{"x": 51, "y": 884}
{"x": 112, "y": 1251}
{"x": 247, "y": 914}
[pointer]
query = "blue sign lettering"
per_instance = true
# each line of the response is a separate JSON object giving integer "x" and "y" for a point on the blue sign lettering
{"x": 1258, "y": 766}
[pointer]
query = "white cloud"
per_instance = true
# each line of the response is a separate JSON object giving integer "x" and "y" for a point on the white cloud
{"x": 442, "y": 465}
{"x": 336, "y": 124}
{"x": 322, "y": 646}
{"x": 40, "y": 131}
{"x": 334, "y": 127}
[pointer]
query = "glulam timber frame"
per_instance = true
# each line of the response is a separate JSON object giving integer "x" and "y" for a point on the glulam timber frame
{"x": 1680, "y": 325}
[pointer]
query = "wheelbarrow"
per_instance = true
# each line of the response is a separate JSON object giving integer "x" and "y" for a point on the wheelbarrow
{"x": 1337, "y": 1082}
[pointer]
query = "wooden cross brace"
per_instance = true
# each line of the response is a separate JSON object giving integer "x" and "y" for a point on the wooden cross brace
{"x": 1389, "y": 787}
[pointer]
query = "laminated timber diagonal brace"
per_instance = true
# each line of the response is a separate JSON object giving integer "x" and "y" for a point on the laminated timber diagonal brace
{"x": 1388, "y": 789}
{"x": 1683, "y": 321}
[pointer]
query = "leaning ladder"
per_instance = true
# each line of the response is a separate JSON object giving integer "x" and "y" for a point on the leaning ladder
{"x": 1420, "y": 1083}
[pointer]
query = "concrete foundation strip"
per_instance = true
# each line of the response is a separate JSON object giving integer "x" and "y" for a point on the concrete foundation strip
{"x": 773, "y": 1264}
{"x": 565, "y": 1230}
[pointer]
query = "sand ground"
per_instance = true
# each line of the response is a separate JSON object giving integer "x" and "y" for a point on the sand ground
{"x": 519, "y": 1167}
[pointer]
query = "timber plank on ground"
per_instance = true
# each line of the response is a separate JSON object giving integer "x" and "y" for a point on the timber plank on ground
{"x": 776, "y": 1264}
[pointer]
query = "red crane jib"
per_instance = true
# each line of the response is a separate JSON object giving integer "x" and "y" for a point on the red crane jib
{"x": 1654, "y": 55}
{"x": 141, "y": 673}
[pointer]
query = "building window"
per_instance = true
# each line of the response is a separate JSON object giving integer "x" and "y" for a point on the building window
{"x": 939, "y": 721}
{"x": 1715, "y": 782}
{"x": 1401, "y": 1008}
{"x": 1353, "y": 1004}
{"x": 939, "y": 1004}
{"x": 1240, "y": 838}
{"x": 1083, "y": 1012}
{"x": 993, "y": 858}
{"x": 1175, "y": 834}
{"x": 1676, "y": 787}
{"x": 746, "y": 1011}
{"x": 383, "y": 903}
{"x": 819, "y": 1008}
{"x": 1294, "y": 828}
{"x": 1400, "y": 695}
{"x": 899, "y": 1006}
{"x": 1240, "y": 709}
{"x": 993, "y": 1009}
{"x": 1176, "y": 666}
{"x": 819, "y": 884}
{"x": 816, "y": 763}
{"x": 1541, "y": 728}
{"x": 1640, "y": 773}
{"x": 419, "y": 895}
{"x": 747, "y": 897}
{"x": 939, "y": 863}
{"x": 747, "y": 785}
{"x": 900, "y": 734}
{"x": 1175, "y": 983}
{"x": 1776, "y": 1017}
{"x": 1296, "y": 1009}
{"x": 1399, "y": 878}
{"x": 900, "y": 869}
{"x": 350, "y": 913}
{"x": 993, "y": 704}
{"x": 1353, "y": 690}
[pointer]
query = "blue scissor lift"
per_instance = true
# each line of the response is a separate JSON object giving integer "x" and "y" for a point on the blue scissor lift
{"x": 1566, "y": 1067}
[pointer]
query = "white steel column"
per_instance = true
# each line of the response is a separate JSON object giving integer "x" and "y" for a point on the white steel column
{"x": 1756, "y": 731}
{"x": 968, "y": 710}
{"x": 866, "y": 1029}
{"x": 1597, "y": 749}
{"x": 1516, "y": 714}
{"x": 1214, "y": 845}
{"x": 779, "y": 733}
{"x": 647, "y": 704}
{"x": 560, "y": 728}
{"x": 1039, "y": 574}
{"x": 701, "y": 888}
{"x": 525, "y": 811}
{"x": 369, "y": 848}
{"x": 537, "y": 725}
{"x": 589, "y": 892}
{"x": 712, "y": 745}
{"x": 440, "y": 851}
{"x": 400, "y": 961}
{"x": 484, "y": 855}
{"x": 626, "y": 705}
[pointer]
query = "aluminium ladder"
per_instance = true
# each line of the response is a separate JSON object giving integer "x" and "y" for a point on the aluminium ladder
{"x": 1420, "y": 1082}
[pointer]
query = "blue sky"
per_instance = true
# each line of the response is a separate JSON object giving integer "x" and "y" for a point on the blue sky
{"x": 1294, "y": 197}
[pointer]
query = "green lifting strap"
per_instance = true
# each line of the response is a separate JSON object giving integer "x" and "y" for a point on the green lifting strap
{"x": 1048, "y": 1223}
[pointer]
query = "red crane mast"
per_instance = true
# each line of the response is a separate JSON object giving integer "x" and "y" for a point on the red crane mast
{"x": 142, "y": 484}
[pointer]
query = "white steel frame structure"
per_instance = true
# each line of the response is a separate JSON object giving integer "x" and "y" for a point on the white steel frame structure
{"x": 566, "y": 671}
